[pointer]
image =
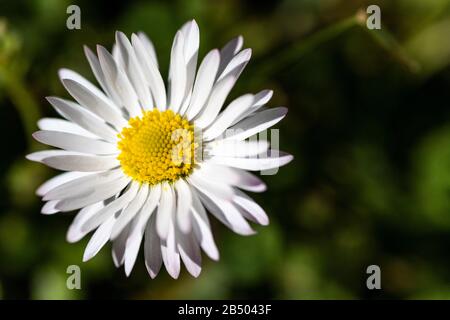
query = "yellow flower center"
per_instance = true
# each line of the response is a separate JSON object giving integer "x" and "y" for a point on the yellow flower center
{"x": 158, "y": 146}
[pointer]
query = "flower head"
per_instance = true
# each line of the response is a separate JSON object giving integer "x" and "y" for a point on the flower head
{"x": 145, "y": 164}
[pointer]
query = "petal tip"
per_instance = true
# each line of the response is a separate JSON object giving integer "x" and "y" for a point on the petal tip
{"x": 87, "y": 256}
{"x": 128, "y": 271}
{"x": 214, "y": 255}
{"x": 196, "y": 273}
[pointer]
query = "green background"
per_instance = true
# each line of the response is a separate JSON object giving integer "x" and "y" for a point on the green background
{"x": 368, "y": 124}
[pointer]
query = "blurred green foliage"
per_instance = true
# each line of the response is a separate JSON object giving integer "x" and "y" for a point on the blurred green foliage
{"x": 368, "y": 124}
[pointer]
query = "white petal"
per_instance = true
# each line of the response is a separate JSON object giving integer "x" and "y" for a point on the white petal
{"x": 177, "y": 73}
{"x": 152, "y": 248}
{"x": 233, "y": 176}
{"x": 274, "y": 159}
{"x": 191, "y": 35}
{"x": 192, "y": 39}
{"x": 184, "y": 200}
{"x": 149, "y": 47}
{"x": 119, "y": 246}
{"x": 151, "y": 202}
{"x": 108, "y": 190}
{"x": 50, "y": 207}
{"x": 226, "y": 118}
{"x": 72, "y": 75}
{"x": 39, "y": 156}
{"x": 130, "y": 211}
{"x": 165, "y": 210}
{"x": 215, "y": 196}
{"x": 55, "y": 124}
{"x": 236, "y": 148}
{"x": 82, "y": 117}
{"x": 185, "y": 103}
{"x": 98, "y": 239}
{"x": 132, "y": 244}
{"x": 228, "y": 52}
{"x": 215, "y": 102}
{"x": 138, "y": 228}
{"x": 134, "y": 71}
{"x": 117, "y": 56}
{"x": 83, "y": 185}
{"x": 260, "y": 99}
{"x": 190, "y": 253}
{"x": 75, "y": 232}
{"x": 84, "y": 163}
{"x": 112, "y": 208}
{"x": 59, "y": 180}
{"x": 73, "y": 142}
{"x": 201, "y": 181}
{"x": 99, "y": 105}
{"x": 202, "y": 228}
{"x": 97, "y": 70}
{"x": 226, "y": 212}
{"x": 221, "y": 89}
{"x": 118, "y": 80}
{"x": 151, "y": 72}
{"x": 203, "y": 83}
{"x": 256, "y": 123}
{"x": 238, "y": 63}
{"x": 254, "y": 210}
{"x": 169, "y": 251}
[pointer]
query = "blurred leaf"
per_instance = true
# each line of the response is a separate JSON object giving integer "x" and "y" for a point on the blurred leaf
{"x": 240, "y": 254}
{"x": 23, "y": 179}
{"x": 432, "y": 176}
{"x": 14, "y": 242}
{"x": 49, "y": 283}
{"x": 428, "y": 48}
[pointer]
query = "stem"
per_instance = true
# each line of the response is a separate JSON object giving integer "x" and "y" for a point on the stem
{"x": 282, "y": 59}
{"x": 285, "y": 57}
{"x": 385, "y": 40}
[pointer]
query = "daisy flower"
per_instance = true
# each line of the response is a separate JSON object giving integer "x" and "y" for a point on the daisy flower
{"x": 145, "y": 162}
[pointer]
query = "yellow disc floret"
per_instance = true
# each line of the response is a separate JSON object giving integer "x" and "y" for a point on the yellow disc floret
{"x": 158, "y": 146}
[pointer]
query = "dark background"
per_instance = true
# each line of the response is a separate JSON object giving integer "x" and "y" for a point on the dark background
{"x": 368, "y": 124}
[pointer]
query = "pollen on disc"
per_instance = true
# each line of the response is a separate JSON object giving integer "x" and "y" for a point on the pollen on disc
{"x": 158, "y": 146}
